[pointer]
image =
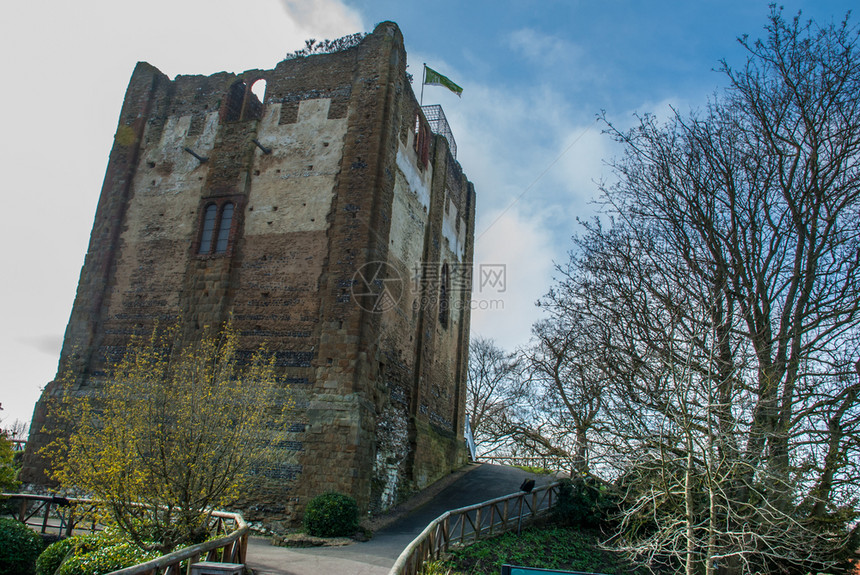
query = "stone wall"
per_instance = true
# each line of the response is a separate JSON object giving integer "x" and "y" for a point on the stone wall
{"x": 327, "y": 178}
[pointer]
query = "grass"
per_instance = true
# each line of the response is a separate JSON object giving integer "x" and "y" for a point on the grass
{"x": 536, "y": 470}
{"x": 551, "y": 547}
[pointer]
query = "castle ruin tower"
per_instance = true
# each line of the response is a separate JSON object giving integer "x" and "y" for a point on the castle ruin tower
{"x": 331, "y": 221}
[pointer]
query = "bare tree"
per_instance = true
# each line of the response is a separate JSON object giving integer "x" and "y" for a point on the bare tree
{"x": 726, "y": 290}
{"x": 495, "y": 396}
{"x": 562, "y": 363}
{"x": 17, "y": 430}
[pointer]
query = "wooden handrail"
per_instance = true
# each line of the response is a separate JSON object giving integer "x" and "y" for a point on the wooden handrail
{"x": 64, "y": 524}
{"x": 231, "y": 548}
{"x": 439, "y": 535}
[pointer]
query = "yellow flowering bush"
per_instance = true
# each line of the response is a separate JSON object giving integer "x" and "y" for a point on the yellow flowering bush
{"x": 172, "y": 432}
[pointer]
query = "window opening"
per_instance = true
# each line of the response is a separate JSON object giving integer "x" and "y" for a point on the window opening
{"x": 258, "y": 88}
{"x": 224, "y": 228}
{"x": 256, "y": 97}
{"x": 209, "y": 218}
{"x": 444, "y": 304}
{"x": 422, "y": 141}
{"x": 235, "y": 99}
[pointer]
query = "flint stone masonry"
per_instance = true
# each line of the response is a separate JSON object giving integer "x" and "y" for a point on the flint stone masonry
{"x": 326, "y": 174}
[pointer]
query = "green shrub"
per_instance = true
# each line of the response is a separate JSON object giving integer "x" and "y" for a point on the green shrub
{"x": 93, "y": 553}
{"x": 9, "y": 506}
{"x": 436, "y": 568}
{"x": 94, "y": 541}
{"x": 8, "y": 467}
{"x": 331, "y": 515}
{"x": 50, "y": 559}
{"x": 560, "y": 548}
{"x": 19, "y": 548}
{"x": 86, "y": 560}
{"x": 583, "y": 502}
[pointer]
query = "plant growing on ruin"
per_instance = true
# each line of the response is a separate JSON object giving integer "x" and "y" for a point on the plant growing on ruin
{"x": 314, "y": 46}
{"x": 173, "y": 431}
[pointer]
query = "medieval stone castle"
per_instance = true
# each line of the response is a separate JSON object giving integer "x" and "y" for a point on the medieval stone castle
{"x": 330, "y": 220}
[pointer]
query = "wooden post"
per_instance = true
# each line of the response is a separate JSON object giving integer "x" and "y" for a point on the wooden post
{"x": 520, "y": 517}
{"x": 47, "y": 514}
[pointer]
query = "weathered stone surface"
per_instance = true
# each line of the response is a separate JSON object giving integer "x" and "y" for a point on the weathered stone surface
{"x": 342, "y": 183}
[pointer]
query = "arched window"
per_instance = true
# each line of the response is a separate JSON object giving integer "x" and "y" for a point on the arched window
{"x": 244, "y": 102}
{"x": 209, "y": 218}
{"x": 444, "y": 303}
{"x": 224, "y": 228}
{"x": 256, "y": 97}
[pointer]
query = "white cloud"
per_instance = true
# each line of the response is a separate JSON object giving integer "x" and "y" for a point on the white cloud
{"x": 513, "y": 142}
{"x": 583, "y": 154}
{"x": 524, "y": 247}
{"x": 543, "y": 49}
{"x": 534, "y": 159}
{"x": 328, "y": 19}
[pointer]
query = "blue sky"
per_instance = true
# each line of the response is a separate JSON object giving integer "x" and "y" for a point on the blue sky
{"x": 535, "y": 74}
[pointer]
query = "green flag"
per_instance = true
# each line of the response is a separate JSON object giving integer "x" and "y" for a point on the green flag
{"x": 434, "y": 78}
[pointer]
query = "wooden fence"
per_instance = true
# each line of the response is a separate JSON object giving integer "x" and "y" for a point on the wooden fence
{"x": 63, "y": 516}
{"x": 50, "y": 514}
{"x": 469, "y": 524}
{"x": 230, "y": 548}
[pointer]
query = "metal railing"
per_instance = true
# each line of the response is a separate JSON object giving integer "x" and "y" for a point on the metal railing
{"x": 64, "y": 515}
{"x": 470, "y": 439}
{"x": 470, "y": 524}
{"x": 439, "y": 125}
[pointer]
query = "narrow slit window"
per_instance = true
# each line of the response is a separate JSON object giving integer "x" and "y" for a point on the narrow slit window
{"x": 224, "y": 228}
{"x": 422, "y": 142}
{"x": 444, "y": 303}
{"x": 209, "y": 217}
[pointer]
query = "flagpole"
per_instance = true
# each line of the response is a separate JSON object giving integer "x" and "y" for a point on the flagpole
{"x": 423, "y": 78}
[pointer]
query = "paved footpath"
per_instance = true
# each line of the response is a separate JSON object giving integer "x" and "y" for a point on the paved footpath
{"x": 375, "y": 557}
